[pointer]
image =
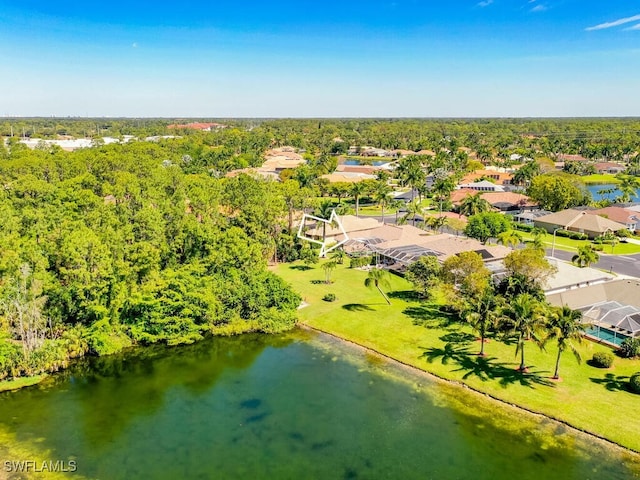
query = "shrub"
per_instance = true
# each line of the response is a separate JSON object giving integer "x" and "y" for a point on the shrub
{"x": 630, "y": 348}
{"x": 634, "y": 382}
{"x": 572, "y": 235}
{"x": 598, "y": 248}
{"x": 602, "y": 359}
{"x": 329, "y": 297}
{"x": 356, "y": 262}
{"x": 524, "y": 227}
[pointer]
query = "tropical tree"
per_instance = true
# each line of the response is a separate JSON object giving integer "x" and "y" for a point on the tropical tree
{"x": 357, "y": 190}
{"x": 474, "y": 204}
{"x": 565, "y": 327}
{"x": 328, "y": 268}
{"x": 628, "y": 186}
{"x": 410, "y": 173}
{"x": 338, "y": 255}
{"x": 556, "y": 192}
{"x": 484, "y": 226}
{"x": 436, "y": 222}
{"x": 442, "y": 189}
{"x": 526, "y": 173}
{"x": 424, "y": 274}
{"x": 524, "y": 316}
{"x": 510, "y": 237}
{"x": 377, "y": 278}
{"x": 381, "y": 195}
{"x": 483, "y": 313}
{"x": 585, "y": 257}
{"x": 414, "y": 210}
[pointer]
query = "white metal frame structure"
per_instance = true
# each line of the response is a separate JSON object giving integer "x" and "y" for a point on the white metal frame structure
{"x": 334, "y": 218}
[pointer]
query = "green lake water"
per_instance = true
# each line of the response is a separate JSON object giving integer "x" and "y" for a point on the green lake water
{"x": 297, "y": 406}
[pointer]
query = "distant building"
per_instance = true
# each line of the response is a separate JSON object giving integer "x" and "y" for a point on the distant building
{"x": 204, "y": 127}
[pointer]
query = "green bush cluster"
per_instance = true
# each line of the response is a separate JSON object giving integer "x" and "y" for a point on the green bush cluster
{"x": 329, "y": 297}
{"x": 523, "y": 227}
{"x": 363, "y": 261}
{"x": 630, "y": 348}
{"x": 572, "y": 235}
{"x": 634, "y": 382}
{"x": 602, "y": 359}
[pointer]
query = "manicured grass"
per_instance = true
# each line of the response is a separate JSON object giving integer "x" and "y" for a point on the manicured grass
{"x": 570, "y": 245}
{"x": 600, "y": 178}
{"x": 418, "y": 334}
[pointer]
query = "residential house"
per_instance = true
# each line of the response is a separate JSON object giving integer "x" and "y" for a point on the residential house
{"x": 609, "y": 167}
{"x": 629, "y": 218}
{"x": 582, "y": 221}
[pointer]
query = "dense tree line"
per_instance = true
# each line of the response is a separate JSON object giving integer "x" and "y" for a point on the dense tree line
{"x": 128, "y": 244}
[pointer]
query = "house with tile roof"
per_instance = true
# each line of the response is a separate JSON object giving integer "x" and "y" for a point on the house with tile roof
{"x": 582, "y": 221}
{"x": 622, "y": 215}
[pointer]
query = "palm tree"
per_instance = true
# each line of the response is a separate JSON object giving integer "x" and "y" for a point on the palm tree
{"x": 357, "y": 190}
{"x": 524, "y": 316}
{"x": 483, "y": 313}
{"x": 381, "y": 195}
{"x": 586, "y": 256}
{"x": 474, "y": 204}
{"x": 378, "y": 277}
{"x": 324, "y": 211}
{"x": 510, "y": 237}
{"x": 328, "y": 268}
{"x": 414, "y": 209}
{"x": 442, "y": 188}
{"x": 410, "y": 172}
{"x": 436, "y": 222}
{"x": 338, "y": 256}
{"x": 628, "y": 186}
{"x": 564, "y": 326}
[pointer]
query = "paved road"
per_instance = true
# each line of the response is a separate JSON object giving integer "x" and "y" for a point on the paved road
{"x": 620, "y": 264}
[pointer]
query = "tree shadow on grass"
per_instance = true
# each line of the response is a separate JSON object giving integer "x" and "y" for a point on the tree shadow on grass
{"x": 458, "y": 337}
{"x": 613, "y": 383}
{"x": 430, "y": 316}
{"x": 485, "y": 368}
{"x": 320, "y": 282}
{"x": 357, "y": 307}
{"x": 302, "y": 268}
{"x": 406, "y": 295}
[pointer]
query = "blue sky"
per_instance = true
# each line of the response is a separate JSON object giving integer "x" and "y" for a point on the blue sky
{"x": 328, "y": 58}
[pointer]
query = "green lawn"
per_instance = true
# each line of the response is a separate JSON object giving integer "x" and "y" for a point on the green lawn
{"x": 417, "y": 334}
{"x": 568, "y": 244}
{"x": 600, "y": 178}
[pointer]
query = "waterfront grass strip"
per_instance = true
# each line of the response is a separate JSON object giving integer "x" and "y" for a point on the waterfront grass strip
{"x": 419, "y": 334}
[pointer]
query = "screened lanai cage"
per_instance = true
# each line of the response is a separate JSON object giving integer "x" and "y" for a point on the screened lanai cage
{"x": 611, "y": 321}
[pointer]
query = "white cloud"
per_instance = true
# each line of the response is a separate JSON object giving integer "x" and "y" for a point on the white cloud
{"x": 485, "y": 3}
{"x": 635, "y": 27}
{"x": 615, "y": 23}
{"x": 538, "y": 8}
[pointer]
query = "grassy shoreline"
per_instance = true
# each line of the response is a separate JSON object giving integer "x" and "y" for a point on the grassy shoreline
{"x": 20, "y": 382}
{"x": 414, "y": 334}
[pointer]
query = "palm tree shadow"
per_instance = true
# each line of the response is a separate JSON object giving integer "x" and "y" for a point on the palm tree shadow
{"x": 484, "y": 368}
{"x": 357, "y": 307}
{"x": 302, "y": 268}
{"x": 613, "y": 383}
{"x": 458, "y": 337}
{"x": 449, "y": 353}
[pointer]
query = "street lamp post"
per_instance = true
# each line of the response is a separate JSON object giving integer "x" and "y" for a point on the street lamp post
{"x": 553, "y": 246}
